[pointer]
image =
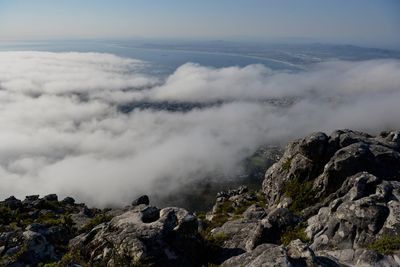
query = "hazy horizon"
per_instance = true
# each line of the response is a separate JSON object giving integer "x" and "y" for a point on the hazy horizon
{"x": 358, "y": 22}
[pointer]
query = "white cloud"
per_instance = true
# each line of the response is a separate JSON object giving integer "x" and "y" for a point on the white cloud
{"x": 52, "y": 140}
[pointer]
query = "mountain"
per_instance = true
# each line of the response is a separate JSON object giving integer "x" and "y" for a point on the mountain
{"x": 330, "y": 200}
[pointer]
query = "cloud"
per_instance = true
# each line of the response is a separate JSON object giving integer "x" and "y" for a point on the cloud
{"x": 192, "y": 82}
{"x": 61, "y": 130}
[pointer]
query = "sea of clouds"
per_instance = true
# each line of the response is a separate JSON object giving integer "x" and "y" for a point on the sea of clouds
{"x": 61, "y": 131}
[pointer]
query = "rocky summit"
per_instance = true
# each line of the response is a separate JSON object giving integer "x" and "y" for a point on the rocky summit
{"x": 330, "y": 200}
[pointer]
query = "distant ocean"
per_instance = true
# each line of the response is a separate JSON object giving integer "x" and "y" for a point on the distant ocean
{"x": 162, "y": 61}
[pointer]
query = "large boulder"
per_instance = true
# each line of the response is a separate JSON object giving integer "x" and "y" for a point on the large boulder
{"x": 143, "y": 235}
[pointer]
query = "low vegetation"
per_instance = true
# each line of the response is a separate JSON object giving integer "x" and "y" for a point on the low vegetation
{"x": 98, "y": 219}
{"x": 301, "y": 193}
{"x": 293, "y": 233}
{"x": 287, "y": 164}
{"x": 386, "y": 244}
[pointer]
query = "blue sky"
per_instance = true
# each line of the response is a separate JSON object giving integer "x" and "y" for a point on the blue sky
{"x": 370, "y": 22}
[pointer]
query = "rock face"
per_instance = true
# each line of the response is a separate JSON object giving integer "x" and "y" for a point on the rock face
{"x": 329, "y": 201}
{"x": 326, "y": 162}
{"x": 347, "y": 188}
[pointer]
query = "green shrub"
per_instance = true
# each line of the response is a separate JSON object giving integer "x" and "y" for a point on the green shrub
{"x": 286, "y": 165}
{"x": 301, "y": 193}
{"x": 218, "y": 238}
{"x": 386, "y": 244}
{"x": 293, "y": 233}
{"x": 201, "y": 215}
{"x": 50, "y": 264}
{"x": 6, "y": 216}
{"x": 51, "y": 219}
{"x": 98, "y": 219}
{"x": 72, "y": 257}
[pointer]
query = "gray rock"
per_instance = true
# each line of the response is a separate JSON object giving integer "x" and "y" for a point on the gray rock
{"x": 355, "y": 219}
{"x": 12, "y": 203}
{"x": 51, "y": 197}
{"x": 276, "y": 223}
{"x": 141, "y": 200}
{"x": 359, "y": 257}
{"x": 328, "y": 161}
{"x": 239, "y": 234}
{"x": 265, "y": 255}
{"x": 36, "y": 248}
{"x": 169, "y": 240}
{"x": 254, "y": 213}
{"x": 32, "y": 197}
{"x": 301, "y": 253}
{"x": 68, "y": 200}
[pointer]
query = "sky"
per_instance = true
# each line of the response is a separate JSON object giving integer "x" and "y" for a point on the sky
{"x": 369, "y": 22}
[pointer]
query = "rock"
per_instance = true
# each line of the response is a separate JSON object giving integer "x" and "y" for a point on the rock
{"x": 150, "y": 214}
{"x": 263, "y": 255}
{"x": 276, "y": 223}
{"x": 12, "y": 203}
{"x": 238, "y": 234}
{"x": 254, "y": 212}
{"x": 171, "y": 239}
{"x": 328, "y": 161}
{"x": 32, "y": 197}
{"x": 301, "y": 253}
{"x": 35, "y": 249}
{"x": 141, "y": 200}
{"x": 358, "y": 257}
{"x": 355, "y": 219}
{"x": 69, "y": 200}
{"x": 51, "y": 197}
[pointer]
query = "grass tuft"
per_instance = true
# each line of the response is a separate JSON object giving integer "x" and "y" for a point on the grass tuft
{"x": 386, "y": 244}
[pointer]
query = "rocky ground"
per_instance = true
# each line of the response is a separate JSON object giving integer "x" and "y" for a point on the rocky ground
{"x": 329, "y": 201}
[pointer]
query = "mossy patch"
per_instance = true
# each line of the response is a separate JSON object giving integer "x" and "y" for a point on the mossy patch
{"x": 386, "y": 244}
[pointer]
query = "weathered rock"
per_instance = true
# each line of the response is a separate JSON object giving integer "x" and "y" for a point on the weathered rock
{"x": 263, "y": 255}
{"x": 141, "y": 200}
{"x": 238, "y": 234}
{"x": 301, "y": 253}
{"x": 357, "y": 218}
{"x": 36, "y": 248}
{"x": 51, "y": 197}
{"x": 68, "y": 200}
{"x": 254, "y": 212}
{"x": 32, "y": 198}
{"x": 328, "y": 161}
{"x": 12, "y": 203}
{"x": 276, "y": 223}
{"x": 359, "y": 257}
{"x": 171, "y": 239}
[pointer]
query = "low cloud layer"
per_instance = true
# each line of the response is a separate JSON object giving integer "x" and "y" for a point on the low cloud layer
{"x": 61, "y": 131}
